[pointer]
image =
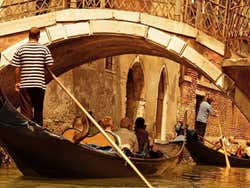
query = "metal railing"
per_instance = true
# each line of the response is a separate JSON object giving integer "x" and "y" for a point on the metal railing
{"x": 225, "y": 20}
{"x": 238, "y": 37}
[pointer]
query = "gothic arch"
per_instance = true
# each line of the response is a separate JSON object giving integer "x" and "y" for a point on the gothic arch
{"x": 135, "y": 92}
{"x": 161, "y": 110}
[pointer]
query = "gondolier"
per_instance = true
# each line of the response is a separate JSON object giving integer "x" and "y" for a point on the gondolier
{"x": 30, "y": 61}
{"x": 205, "y": 110}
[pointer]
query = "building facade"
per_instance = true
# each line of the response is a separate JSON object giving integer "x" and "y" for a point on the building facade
{"x": 126, "y": 85}
{"x": 135, "y": 85}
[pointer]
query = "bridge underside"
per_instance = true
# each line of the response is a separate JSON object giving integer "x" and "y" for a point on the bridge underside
{"x": 239, "y": 71}
{"x": 77, "y": 51}
{"x": 74, "y": 52}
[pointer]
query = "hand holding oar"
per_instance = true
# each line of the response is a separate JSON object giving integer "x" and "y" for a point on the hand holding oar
{"x": 101, "y": 130}
{"x": 224, "y": 148}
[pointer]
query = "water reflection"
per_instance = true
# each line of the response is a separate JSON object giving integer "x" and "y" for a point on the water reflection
{"x": 210, "y": 176}
{"x": 184, "y": 176}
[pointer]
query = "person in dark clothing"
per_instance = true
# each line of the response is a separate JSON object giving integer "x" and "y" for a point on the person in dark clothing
{"x": 30, "y": 61}
{"x": 142, "y": 136}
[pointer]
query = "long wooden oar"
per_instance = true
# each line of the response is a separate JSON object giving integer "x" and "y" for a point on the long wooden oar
{"x": 224, "y": 148}
{"x": 101, "y": 130}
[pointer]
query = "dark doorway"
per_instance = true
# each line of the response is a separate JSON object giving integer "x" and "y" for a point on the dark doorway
{"x": 199, "y": 99}
{"x": 134, "y": 90}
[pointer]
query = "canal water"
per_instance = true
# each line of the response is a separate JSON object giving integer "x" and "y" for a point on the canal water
{"x": 184, "y": 176}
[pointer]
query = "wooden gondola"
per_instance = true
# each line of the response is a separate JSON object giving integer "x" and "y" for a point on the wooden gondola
{"x": 204, "y": 155}
{"x": 39, "y": 152}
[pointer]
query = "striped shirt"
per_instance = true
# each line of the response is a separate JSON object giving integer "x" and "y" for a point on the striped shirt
{"x": 32, "y": 58}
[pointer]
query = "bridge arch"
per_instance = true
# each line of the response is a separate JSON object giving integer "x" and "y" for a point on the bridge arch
{"x": 100, "y": 26}
{"x": 77, "y": 40}
{"x": 97, "y": 34}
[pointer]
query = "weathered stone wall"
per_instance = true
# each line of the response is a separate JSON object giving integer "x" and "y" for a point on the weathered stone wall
{"x": 94, "y": 87}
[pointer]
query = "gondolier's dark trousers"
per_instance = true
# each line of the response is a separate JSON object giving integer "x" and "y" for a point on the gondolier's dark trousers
{"x": 200, "y": 129}
{"x": 31, "y": 103}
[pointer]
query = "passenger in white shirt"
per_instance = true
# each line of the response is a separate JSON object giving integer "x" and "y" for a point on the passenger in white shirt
{"x": 127, "y": 136}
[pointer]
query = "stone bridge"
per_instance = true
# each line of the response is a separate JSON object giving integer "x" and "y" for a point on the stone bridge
{"x": 77, "y": 36}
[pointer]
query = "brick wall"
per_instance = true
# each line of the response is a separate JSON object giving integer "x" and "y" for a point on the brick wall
{"x": 231, "y": 119}
{"x": 9, "y": 40}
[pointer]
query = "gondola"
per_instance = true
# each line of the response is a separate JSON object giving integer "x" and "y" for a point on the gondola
{"x": 39, "y": 152}
{"x": 203, "y": 155}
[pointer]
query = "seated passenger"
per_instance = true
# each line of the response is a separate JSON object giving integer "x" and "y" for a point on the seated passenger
{"x": 248, "y": 149}
{"x": 142, "y": 136}
{"x": 99, "y": 139}
{"x": 233, "y": 146}
{"x": 239, "y": 152}
{"x": 127, "y": 136}
{"x": 82, "y": 124}
{"x": 79, "y": 130}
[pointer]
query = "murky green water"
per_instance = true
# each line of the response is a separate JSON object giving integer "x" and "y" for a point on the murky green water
{"x": 184, "y": 176}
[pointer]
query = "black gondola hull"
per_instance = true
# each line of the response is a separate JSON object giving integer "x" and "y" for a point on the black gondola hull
{"x": 38, "y": 152}
{"x": 204, "y": 155}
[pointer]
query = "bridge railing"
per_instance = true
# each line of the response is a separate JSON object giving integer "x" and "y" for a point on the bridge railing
{"x": 24, "y": 8}
{"x": 208, "y": 16}
{"x": 238, "y": 36}
{"x": 222, "y": 19}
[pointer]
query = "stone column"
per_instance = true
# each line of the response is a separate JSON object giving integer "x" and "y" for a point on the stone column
{"x": 164, "y": 118}
{"x": 140, "y": 108}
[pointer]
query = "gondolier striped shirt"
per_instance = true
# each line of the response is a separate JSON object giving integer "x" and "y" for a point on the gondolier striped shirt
{"x": 32, "y": 59}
